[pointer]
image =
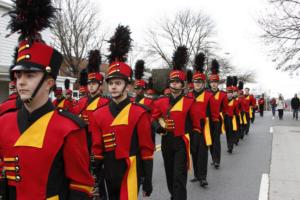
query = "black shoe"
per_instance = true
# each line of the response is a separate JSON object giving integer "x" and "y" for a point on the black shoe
{"x": 194, "y": 180}
{"x": 217, "y": 165}
{"x": 229, "y": 151}
{"x": 203, "y": 183}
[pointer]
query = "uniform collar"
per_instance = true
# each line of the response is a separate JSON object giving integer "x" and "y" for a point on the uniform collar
{"x": 116, "y": 108}
{"x": 173, "y": 100}
{"x": 25, "y": 119}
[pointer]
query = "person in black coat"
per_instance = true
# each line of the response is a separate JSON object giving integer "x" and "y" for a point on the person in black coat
{"x": 295, "y": 106}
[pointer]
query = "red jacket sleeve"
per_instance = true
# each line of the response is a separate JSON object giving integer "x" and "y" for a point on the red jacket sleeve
{"x": 76, "y": 159}
{"x": 97, "y": 145}
{"x": 156, "y": 113}
{"x": 145, "y": 137}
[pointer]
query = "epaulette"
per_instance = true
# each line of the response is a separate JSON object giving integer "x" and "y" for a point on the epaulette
{"x": 102, "y": 106}
{"x": 143, "y": 106}
{"x": 72, "y": 117}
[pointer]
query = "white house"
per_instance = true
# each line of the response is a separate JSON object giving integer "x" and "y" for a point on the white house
{"x": 7, "y": 46}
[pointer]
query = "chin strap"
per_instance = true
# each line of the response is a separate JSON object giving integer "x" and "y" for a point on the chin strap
{"x": 28, "y": 101}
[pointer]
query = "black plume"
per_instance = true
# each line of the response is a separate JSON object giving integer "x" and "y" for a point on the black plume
{"x": 14, "y": 61}
{"x": 150, "y": 83}
{"x": 180, "y": 58}
{"x": 83, "y": 77}
{"x": 235, "y": 81}
{"x": 94, "y": 61}
{"x": 199, "y": 62}
{"x": 215, "y": 66}
{"x": 120, "y": 44}
{"x": 139, "y": 69}
{"x": 229, "y": 81}
{"x": 241, "y": 85}
{"x": 29, "y": 17}
{"x": 189, "y": 76}
{"x": 67, "y": 84}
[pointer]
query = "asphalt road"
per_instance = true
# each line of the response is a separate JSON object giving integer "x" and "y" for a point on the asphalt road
{"x": 240, "y": 173}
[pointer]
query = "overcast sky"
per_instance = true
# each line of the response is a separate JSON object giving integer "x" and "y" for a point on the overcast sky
{"x": 237, "y": 32}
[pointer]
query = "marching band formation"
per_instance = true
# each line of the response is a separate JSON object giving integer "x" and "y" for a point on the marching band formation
{"x": 102, "y": 147}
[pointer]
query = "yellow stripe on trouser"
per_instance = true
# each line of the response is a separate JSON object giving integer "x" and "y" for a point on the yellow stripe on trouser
{"x": 250, "y": 112}
{"x": 207, "y": 134}
{"x": 53, "y": 198}
{"x": 222, "y": 124}
{"x": 240, "y": 116}
{"x": 234, "y": 123}
{"x": 245, "y": 119}
{"x": 132, "y": 179}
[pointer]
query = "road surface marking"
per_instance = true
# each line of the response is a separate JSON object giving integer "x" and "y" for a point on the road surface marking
{"x": 271, "y": 129}
{"x": 158, "y": 148}
{"x": 264, "y": 187}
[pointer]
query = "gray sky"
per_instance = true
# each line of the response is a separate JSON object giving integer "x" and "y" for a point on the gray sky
{"x": 237, "y": 32}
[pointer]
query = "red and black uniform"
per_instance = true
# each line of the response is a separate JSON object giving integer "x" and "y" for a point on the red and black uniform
{"x": 230, "y": 123}
{"x": 175, "y": 144}
{"x": 63, "y": 103}
{"x": 36, "y": 155}
{"x": 200, "y": 135}
{"x": 261, "y": 105}
{"x": 122, "y": 143}
{"x": 85, "y": 108}
{"x": 11, "y": 104}
{"x": 253, "y": 107}
{"x": 218, "y": 103}
{"x": 248, "y": 111}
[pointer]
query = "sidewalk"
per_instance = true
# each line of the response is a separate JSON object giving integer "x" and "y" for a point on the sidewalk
{"x": 285, "y": 164}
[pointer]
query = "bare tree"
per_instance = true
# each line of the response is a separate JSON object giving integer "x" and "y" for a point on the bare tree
{"x": 76, "y": 31}
{"x": 194, "y": 30}
{"x": 281, "y": 27}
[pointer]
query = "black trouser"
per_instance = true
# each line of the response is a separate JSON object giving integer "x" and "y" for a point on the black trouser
{"x": 295, "y": 113}
{"x": 261, "y": 110}
{"x": 114, "y": 171}
{"x": 229, "y": 132}
{"x": 175, "y": 162}
{"x": 253, "y": 115}
{"x": 237, "y": 134}
{"x": 247, "y": 126}
{"x": 215, "y": 148}
{"x": 199, "y": 152}
{"x": 280, "y": 113}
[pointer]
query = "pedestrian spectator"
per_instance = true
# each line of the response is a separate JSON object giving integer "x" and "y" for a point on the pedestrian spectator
{"x": 280, "y": 106}
{"x": 273, "y": 106}
{"x": 261, "y": 105}
{"x": 295, "y": 103}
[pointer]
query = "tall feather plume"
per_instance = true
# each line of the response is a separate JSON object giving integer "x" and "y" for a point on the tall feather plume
{"x": 180, "y": 58}
{"x": 241, "y": 85}
{"x": 229, "y": 81}
{"x": 139, "y": 69}
{"x": 215, "y": 66}
{"x": 13, "y": 63}
{"x": 189, "y": 76}
{"x": 83, "y": 77}
{"x": 29, "y": 17}
{"x": 67, "y": 84}
{"x": 199, "y": 62}
{"x": 94, "y": 61}
{"x": 150, "y": 83}
{"x": 120, "y": 44}
{"x": 235, "y": 81}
